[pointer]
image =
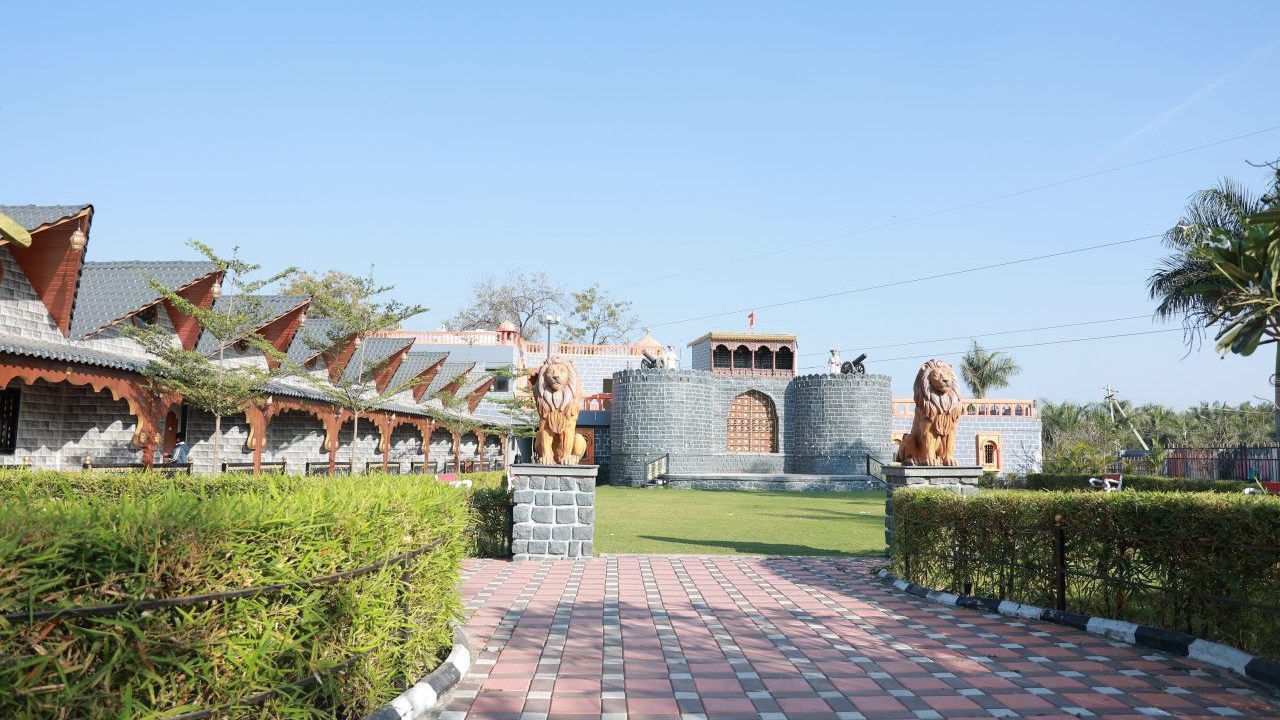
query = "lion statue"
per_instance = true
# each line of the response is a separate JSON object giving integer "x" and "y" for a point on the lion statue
{"x": 932, "y": 440}
{"x": 556, "y": 391}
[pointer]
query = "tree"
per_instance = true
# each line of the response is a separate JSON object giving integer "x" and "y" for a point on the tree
{"x": 218, "y": 388}
{"x": 598, "y": 319}
{"x": 339, "y": 286}
{"x": 522, "y": 299}
{"x": 1224, "y": 272}
{"x": 450, "y": 416}
{"x": 356, "y": 314}
{"x": 985, "y": 370}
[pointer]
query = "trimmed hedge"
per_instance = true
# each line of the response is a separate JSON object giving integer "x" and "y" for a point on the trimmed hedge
{"x": 1215, "y": 553}
{"x": 1045, "y": 481}
{"x": 86, "y": 545}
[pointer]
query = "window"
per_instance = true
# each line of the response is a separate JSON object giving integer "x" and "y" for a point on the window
{"x": 146, "y": 317}
{"x": 742, "y": 358}
{"x": 501, "y": 384}
{"x": 9, "y": 401}
{"x": 764, "y": 358}
{"x": 721, "y": 357}
{"x": 753, "y": 424}
{"x": 783, "y": 360}
{"x": 988, "y": 451}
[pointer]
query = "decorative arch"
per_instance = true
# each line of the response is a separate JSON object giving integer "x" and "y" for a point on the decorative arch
{"x": 784, "y": 359}
{"x": 764, "y": 358}
{"x": 742, "y": 358}
{"x": 752, "y": 424}
{"x": 147, "y": 408}
{"x": 721, "y": 357}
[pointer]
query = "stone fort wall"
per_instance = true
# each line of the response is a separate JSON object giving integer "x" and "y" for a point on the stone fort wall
{"x": 826, "y": 424}
{"x": 1019, "y": 439}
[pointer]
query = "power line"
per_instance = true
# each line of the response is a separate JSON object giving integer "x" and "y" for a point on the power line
{"x": 945, "y": 211}
{"x": 994, "y": 334}
{"x": 898, "y": 283}
{"x": 1017, "y": 347}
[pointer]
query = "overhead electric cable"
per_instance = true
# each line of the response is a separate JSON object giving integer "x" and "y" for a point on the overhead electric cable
{"x": 992, "y": 334}
{"x": 944, "y": 211}
{"x": 897, "y": 283}
{"x": 1017, "y": 347}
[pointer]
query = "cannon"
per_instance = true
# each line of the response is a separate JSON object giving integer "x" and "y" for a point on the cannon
{"x": 653, "y": 362}
{"x": 855, "y": 366}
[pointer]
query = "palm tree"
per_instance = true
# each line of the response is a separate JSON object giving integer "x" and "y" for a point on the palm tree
{"x": 985, "y": 370}
{"x": 1221, "y": 272}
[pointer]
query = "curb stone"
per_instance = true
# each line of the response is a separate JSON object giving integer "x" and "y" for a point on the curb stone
{"x": 422, "y": 697}
{"x": 1169, "y": 641}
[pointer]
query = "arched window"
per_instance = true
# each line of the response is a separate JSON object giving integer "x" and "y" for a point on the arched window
{"x": 742, "y": 358}
{"x": 989, "y": 453}
{"x": 764, "y": 358}
{"x": 784, "y": 359}
{"x": 753, "y": 424}
{"x": 721, "y": 357}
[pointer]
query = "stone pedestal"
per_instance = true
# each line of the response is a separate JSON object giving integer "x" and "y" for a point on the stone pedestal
{"x": 963, "y": 480}
{"x": 554, "y": 514}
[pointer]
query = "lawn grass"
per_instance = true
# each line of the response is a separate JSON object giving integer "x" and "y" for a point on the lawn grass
{"x": 636, "y": 520}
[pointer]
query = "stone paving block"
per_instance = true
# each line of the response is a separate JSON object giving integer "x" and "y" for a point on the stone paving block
{"x": 794, "y": 638}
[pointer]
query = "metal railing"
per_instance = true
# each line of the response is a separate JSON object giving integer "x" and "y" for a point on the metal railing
{"x": 1046, "y": 564}
{"x": 1211, "y": 463}
{"x": 247, "y": 468}
{"x": 875, "y": 468}
{"x": 162, "y": 468}
{"x": 322, "y": 468}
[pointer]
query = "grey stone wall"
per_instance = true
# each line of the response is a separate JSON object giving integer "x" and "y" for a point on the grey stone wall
{"x": 701, "y": 359}
{"x": 592, "y": 369}
{"x": 1020, "y": 439}
{"x": 825, "y": 423}
{"x": 837, "y": 421}
{"x": 21, "y": 311}
{"x": 774, "y": 483}
{"x": 59, "y": 425}
{"x": 294, "y": 438}
{"x": 554, "y": 511}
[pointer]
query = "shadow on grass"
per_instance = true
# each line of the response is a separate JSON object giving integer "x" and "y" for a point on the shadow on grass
{"x": 752, "y": 547}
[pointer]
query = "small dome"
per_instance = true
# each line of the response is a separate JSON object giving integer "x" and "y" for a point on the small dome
{"x": 507, "y": 326}
{"x": 648, "y": 342}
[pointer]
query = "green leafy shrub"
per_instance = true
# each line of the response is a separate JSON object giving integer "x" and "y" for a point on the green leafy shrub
{"x": 491, "y": 527}
{"x": 1046, "y": 481}
{"x": 88, "y": 544}
{"x": 1218, "y": 555}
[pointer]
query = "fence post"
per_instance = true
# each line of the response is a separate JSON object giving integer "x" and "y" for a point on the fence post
{"x": 1060, "y": 563}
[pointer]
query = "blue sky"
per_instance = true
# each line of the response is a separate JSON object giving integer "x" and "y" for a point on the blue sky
{"x": 619, "y": 144}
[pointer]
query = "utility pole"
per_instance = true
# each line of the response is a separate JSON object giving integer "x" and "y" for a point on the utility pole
{"x": 1113, "y": 406}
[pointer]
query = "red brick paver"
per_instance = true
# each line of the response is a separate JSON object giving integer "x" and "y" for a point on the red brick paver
{"x": 694, "y": 638}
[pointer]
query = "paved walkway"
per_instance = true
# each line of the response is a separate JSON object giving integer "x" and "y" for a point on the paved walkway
{"x": 634, "y": 638}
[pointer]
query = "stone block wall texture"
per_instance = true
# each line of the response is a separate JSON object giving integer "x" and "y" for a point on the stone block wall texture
{"x": 554, "y": 511}
{"x": 1021, "y": 450}
{"x": 837, "y": 421}
{"x": 592, "y": 369}
{"x": 825, "y": 423}
{"x": 701, "y": 356}
{"x": 962, "y": 480}
{"x": 59, "y": 425}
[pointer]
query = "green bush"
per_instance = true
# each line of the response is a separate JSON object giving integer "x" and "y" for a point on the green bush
{"x": 18, "y": 483}
{"x": 1217, "y": 553}
{"x": 88, "y": 544}
{"x": 491, "y": 524}
{"x": 1046, "y": 481}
